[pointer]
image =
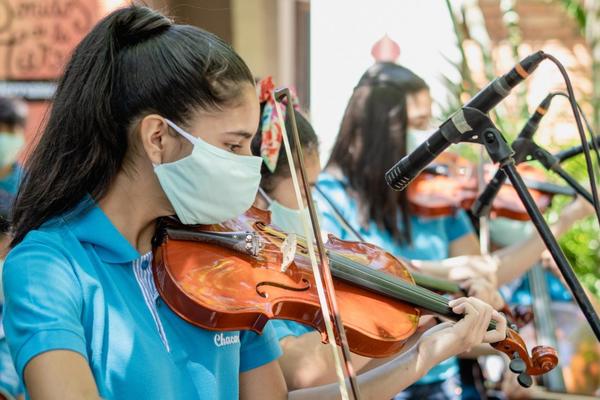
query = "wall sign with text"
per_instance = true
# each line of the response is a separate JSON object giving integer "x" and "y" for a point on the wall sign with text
{"x": 36, "y": 40}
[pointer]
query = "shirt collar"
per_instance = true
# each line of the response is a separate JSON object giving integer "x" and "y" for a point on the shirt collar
{"x": 91, "y": 225}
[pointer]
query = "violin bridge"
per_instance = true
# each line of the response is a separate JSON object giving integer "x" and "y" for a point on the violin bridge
{"x": 288, "y": 250}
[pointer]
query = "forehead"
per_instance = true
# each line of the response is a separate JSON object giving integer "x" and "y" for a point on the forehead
{"x": 239, "y": 114}
{"x": 421, "y": 98}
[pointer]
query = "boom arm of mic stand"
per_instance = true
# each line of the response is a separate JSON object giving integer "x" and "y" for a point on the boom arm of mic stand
{"x": 552, "y": 163}
{"x": 501, "y": 153}
{"x": 525, "y": 148}
{"x": 574, "y": 151}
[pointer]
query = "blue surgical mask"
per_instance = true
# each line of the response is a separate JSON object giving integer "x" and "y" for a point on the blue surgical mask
{"x": 11, "y": 145}
{"x": 211, "y": 185}
{"x": 287, "y": 219}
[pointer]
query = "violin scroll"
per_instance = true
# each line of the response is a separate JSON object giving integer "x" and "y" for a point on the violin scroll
{"x": 543, "y": 359}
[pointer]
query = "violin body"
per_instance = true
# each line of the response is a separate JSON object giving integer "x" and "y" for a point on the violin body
{"x": 237, "y": 275}
{"x": 451, "y": 185}
{"x": 211, "y": 287}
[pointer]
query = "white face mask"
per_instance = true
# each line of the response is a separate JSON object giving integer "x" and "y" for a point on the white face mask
{"x": 414, "y": 137}
{"x": 210, "y": 185}
{"x": 11, "y": 145}
{"x": 288, "y": 219}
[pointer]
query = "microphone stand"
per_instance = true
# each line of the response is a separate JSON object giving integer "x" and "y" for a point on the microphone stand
{"x": 483, "y": 131}
{"x": 484, "y": 221}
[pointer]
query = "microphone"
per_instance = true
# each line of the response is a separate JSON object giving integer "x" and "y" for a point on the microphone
{"x": 401, "y": 174}
{"x": 530, "y": 128}
{"x": 483, "y": 204}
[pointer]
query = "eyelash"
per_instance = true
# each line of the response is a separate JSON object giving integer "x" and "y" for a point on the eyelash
{"x": 233, "y": 147}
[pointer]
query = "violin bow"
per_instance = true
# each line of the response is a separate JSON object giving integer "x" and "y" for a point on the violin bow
{"x": 321, "y": 270}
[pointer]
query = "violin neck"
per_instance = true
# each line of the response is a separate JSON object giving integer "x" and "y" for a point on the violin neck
{"x": 388, "y": 285}
{"x": 437, "y": 284}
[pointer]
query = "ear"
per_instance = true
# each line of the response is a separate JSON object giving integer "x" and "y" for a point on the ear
{"x": 153, "y": 131}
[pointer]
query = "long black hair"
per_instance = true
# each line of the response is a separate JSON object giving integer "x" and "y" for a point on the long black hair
{"x": 308, "y": 140}
{"x": 371, "y": 139}
{"x": 134, "y": 62}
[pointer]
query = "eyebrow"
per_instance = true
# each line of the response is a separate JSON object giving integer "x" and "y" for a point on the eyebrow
{"x": 244, "y": 134}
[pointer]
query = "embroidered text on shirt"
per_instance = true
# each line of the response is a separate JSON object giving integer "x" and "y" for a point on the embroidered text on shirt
{"x": 222, "y": 340}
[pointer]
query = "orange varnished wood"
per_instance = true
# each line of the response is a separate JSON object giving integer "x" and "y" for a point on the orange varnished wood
{"x": 543, "y": 358}
{"x": 221, "y": 289}
{"x": 433, "y": 196}
{"x": 215, "y": 288}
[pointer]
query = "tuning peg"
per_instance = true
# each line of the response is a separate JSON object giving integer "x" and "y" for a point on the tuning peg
{"x": 517, "y": 365}
{"x": 524, "y": 380}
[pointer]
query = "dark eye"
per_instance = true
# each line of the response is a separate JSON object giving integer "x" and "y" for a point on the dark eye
{"x": 234, "y": 148}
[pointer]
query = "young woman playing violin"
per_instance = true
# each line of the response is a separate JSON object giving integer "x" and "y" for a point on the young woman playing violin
{"x": 388, "y": 101}
{"x": 151, "y": 119}
{"x": 395, "y": 81}
{"x": 306, "y": 361}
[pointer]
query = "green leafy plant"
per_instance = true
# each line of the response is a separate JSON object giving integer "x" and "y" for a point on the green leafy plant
{"x": 576, "y": 10}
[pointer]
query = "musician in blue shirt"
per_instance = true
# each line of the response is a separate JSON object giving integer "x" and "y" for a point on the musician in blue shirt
{"x": 306, "y": 361}
{"x": 150, "y": 119}
{"x": 387, "y": 109}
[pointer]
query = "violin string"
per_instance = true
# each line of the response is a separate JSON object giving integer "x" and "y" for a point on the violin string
{"x": 410, "y": 288}
{"x": 394, "y": 280}
{"x": 381, "y": 277}
{"x": 429, "y": 298}
{"x": 423, "y": 292}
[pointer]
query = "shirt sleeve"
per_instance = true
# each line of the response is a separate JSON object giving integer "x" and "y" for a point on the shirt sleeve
{"x": 458, "y": 225}
{"x": 284, "y": 328}
{"x": 10, "y": 384}
{"x": 43, "y": 303}
{"x": 258, "y": 350}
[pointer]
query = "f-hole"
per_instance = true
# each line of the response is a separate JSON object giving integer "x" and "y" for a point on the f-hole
{"x": 305, "y": 286}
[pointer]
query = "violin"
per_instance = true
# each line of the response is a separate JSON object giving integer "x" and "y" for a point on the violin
{"x": 240, "y": 274}
{"x": 449, "y": 184}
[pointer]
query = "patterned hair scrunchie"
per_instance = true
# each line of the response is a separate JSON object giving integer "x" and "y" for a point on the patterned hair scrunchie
{"x": 271, "y": 130}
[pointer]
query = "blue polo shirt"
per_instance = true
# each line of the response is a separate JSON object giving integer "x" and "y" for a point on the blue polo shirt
{"x": 431, "y": 239}
{"x": 10, "y": 183}
{"x": 9, "y": 380}
{"x": 284, "y": 328}
{"x": 77, "y": 284}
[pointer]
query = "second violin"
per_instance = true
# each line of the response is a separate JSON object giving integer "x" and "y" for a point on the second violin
{"x": 449, "y": 184}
